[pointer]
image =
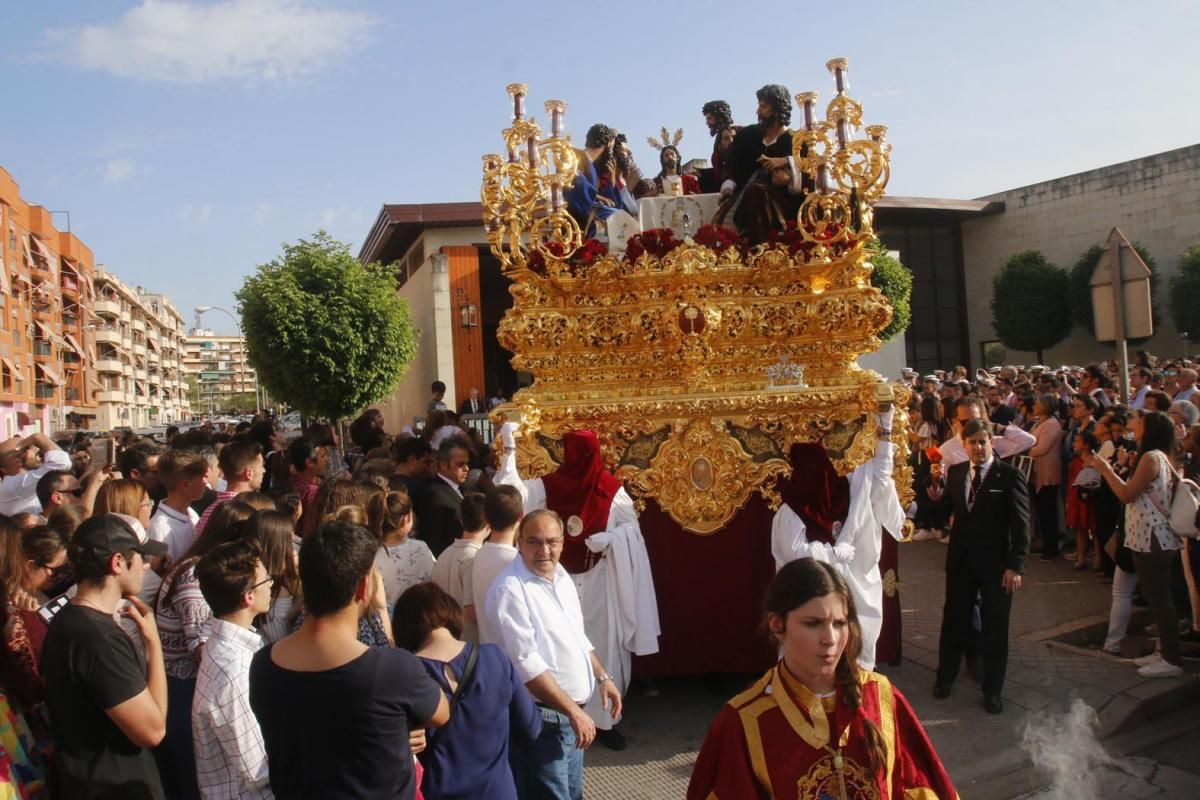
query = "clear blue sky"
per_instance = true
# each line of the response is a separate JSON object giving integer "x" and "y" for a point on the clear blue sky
{"x": 190, "y": 139}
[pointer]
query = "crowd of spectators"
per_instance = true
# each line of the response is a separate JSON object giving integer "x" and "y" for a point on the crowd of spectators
{"x": 1101, "y": 467}
{"x": 230, "y": 614}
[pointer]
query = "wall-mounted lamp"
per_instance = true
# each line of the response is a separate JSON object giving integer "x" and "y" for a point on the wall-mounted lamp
{"x": 468, "y": 313}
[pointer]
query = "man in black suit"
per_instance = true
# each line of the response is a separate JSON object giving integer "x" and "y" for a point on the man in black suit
{"x": 439, "y": 514}
{"x": 473, "y": 405}
{"x": 989, "y": 543}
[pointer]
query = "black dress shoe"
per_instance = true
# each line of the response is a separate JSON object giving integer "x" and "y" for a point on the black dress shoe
{"x": 941, "y": 691}
{"x": 612, "y": 739}
{"x": 992, "y": 704}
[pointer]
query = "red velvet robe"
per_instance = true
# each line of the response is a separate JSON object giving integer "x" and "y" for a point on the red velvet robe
{"x": 772, "y": 741}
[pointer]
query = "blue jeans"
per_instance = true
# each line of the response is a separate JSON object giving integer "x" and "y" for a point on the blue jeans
{"x": 551, "y": 766}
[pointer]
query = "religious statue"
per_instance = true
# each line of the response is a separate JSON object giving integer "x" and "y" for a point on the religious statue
{"x": 602, "y": 183}
{"x": 670, "y": 180}
{"x": 719, "y": 119}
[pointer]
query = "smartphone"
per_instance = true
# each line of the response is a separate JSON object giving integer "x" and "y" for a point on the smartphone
{"x": 112, "y": 452}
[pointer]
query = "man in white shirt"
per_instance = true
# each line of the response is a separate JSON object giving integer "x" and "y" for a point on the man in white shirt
{"x": 453, "y": 567}
{"x": 534, "y": 606}
{"x": 182, "y": 472}
{"x": 23, "y": 462}
{"x": 502, "y": 510}
{"x": 1010, "y": 442}
{"x": 231, "y": 761}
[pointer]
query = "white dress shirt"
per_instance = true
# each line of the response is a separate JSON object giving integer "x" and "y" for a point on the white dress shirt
{"x": 18, "y": 493}
{"x": 540, "y": 627}
{"x": 231, "y": 761}
{"x": 983, "y": 469}
{"x": 491, "y": 560}
{"x": 1013, "y": 441}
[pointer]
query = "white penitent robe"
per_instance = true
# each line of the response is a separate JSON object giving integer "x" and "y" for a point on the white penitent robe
{"x": 620, "y": 609}
{"x": 874, "y": 506}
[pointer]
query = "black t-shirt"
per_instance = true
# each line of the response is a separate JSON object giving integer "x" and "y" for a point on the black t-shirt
{"x": 342, "y": 733}
{"x": 90, "y": 665}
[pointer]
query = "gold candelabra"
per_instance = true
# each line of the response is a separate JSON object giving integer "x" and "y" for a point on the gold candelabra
{"x": 674, "y": 356}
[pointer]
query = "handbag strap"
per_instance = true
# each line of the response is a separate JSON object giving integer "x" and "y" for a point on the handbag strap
{"x": 463, "y": 679}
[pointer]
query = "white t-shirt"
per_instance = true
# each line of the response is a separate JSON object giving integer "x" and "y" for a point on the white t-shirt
{"x": 177, "y": 530}
{"x": 404, "y": 565}
{"x": 18, "y": 493}
{"x": 489, "y": 562}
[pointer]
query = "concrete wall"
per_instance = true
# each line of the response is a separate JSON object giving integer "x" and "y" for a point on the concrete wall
{"x": 428, "y": 294}
{"x": 1153, "y": 200}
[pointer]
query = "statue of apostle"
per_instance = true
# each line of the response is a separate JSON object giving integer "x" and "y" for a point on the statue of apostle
{"x": 841, "y": 520}
{"x": 602, "y": 184}
{"x": 603, "y": 550}
{"x": 763, "y": 188}
{"x": 719, "y": 119}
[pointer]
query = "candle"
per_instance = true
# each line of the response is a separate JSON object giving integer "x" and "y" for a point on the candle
{"x": 823, "y": 178}
{"x": 838, "y": 67}
{"x": 518, "y": 91}
{"x": 843, "y": 133}
{"x": 555, "y": 109}
{"x": 532, "y": 147}
{"x": 807, "y": 101}
{"x": 555, "y": 197}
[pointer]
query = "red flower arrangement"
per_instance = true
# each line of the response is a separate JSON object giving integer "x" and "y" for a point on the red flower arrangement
{"x": 589, "y": 253}
{"x": 718, "y": 238}
{"x": 656, "y": 241}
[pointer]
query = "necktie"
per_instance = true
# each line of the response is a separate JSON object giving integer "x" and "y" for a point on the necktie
{"x": 976, "y": 479}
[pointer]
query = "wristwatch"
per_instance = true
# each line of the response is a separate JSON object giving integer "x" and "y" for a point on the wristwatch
{"x": 603, "y": 678}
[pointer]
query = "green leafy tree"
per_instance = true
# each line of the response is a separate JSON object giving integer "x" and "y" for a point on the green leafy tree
{"x": 895, "y": 281}
{"x": 1029, "y": 303}
{"x": 1185, "y": 294}
{"x": 1079, "y": 296}
{"x": 326, "y": 334}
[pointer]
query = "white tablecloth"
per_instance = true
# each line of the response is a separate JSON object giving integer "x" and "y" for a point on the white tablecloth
{"x": 683, "y": 215}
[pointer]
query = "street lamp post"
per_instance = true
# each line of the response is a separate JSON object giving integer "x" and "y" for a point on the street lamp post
{"x": 241, "y": 344}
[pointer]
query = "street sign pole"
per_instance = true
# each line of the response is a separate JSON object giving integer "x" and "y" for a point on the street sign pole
{"x": 1118, "y": 290}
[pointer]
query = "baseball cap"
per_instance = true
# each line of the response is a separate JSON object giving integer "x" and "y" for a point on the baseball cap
{"x": 106, "y": 535}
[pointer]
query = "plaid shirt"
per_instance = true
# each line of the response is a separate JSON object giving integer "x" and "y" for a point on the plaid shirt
{"x": 231, "y": 761}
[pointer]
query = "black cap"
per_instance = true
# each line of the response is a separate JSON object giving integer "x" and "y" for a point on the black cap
{"x": 106, "y": 535}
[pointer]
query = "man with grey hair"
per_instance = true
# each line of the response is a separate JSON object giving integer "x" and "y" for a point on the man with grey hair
{"x": 534, "y": 608}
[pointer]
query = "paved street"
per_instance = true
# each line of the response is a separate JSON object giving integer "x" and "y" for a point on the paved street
{"x": 983, "y": 753}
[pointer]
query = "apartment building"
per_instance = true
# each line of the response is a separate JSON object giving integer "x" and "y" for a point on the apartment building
{"x": 138, "y": 341}
{"x": 47, "y": 372}
{"x": 222, "y": 381}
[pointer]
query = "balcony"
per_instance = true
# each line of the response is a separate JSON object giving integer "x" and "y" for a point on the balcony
{"x": 44, "y": 391}
{"x": 110, "y": 396}
{"x": 139, "y": 374}
{"x": 42, "y": 350}
{"x": 68, "y": 286}
{"x": 139, "y": 324}
{"x": 139, "y": 348}
{"x": 43, "y": 311}
{"x": 109, "y": 365}
{"x": 109, "y": 308}
{"x": 108, "y": 336}
{"x": 71, "y": 394}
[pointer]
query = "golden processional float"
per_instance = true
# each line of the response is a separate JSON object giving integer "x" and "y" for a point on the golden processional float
{"x": 697, "y": 363}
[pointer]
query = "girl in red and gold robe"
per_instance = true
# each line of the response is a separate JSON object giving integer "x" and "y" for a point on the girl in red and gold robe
{"x": 816, "y": 726}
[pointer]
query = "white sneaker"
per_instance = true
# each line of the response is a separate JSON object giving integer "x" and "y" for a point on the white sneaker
{"x": 1160, "y": 669}
{"x": 1146, "y": 661}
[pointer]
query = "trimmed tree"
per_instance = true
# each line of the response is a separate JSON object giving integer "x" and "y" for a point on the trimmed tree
{"x": 326, "y": 334}
{"x": 1029, "y": 303}
{"x": 895, "y": 281}
{"x": 1185, "y": 294}
{"x": 1079, "y": 296}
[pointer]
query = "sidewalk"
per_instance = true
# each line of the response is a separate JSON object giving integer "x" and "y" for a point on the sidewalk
{"x": 982, "y": 752}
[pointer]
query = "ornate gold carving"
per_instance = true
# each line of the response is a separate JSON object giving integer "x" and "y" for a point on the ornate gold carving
{"x": 666, "y": 357}
{"x": 890, "y": 584}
